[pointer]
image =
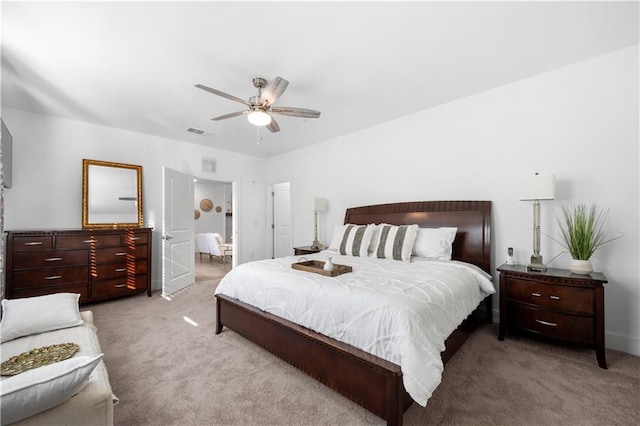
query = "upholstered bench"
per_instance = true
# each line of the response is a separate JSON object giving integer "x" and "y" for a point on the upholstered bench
{"x": 75, "y": 391}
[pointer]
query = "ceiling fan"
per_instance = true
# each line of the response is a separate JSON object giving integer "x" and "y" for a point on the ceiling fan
{"x": 261, "y": 107}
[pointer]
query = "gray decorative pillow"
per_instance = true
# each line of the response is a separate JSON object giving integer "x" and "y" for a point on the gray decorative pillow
{"x": 354, "y": 240}
{"x": 395, "y": 242}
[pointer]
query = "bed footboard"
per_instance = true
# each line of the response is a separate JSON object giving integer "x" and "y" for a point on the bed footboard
{"x": 370, "y": 381}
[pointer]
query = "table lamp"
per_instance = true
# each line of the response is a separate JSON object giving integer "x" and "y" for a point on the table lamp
{"x": 535, "y": 188}
{"x": 318, "y": 205}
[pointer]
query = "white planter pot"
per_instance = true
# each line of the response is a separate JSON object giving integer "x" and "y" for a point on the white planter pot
{"x": 580, "y": 267}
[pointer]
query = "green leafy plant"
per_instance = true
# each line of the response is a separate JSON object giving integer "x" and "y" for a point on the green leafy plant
{"x": 581, "y": 227}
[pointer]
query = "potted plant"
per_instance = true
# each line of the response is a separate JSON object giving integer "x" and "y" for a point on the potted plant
{"x": 581, "y": 227}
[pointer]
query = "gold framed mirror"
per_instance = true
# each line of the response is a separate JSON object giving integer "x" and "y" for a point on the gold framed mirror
{"x": 111, "y": 195}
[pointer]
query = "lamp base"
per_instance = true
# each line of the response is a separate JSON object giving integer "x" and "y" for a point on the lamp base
{"x": 317, "y": 245}
{"x": 536, "y": 264}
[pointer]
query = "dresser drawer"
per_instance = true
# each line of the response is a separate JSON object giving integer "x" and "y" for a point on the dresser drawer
{"x": 118, "y": 287}
{"x": 136, "y": 238}
{"x": 81, "y": 289}
{"x": 570, "y": 299}
{"x": 575, "y": 328}
{"x": 50, "y": 277}
{"x": 87, "y": 240}
{"x": 34, "y": 243}
{"x": 50, "y": 259}
{"x": 118, "y": 254}
{"x": 119, "y": 270}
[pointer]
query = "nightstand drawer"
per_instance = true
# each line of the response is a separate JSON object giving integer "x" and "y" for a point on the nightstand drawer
{"x": 563, "y": 326}
{"x": 570, "y": 299}
{"x": 300, "y": 251}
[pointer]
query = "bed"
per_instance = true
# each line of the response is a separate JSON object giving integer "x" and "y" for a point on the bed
{"x": 369, "y": 380}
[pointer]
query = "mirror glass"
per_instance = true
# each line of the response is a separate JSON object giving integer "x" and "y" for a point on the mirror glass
{"x": 111, "y": 195}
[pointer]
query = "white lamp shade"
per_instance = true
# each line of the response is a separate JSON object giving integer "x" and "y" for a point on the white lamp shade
{"x": 319, "y": 204}
{"x": 259, "y": 118}
{"x": 538, "y": 187}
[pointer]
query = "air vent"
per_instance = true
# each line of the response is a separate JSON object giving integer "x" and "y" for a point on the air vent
{"x": 209, "y": 165}
{"x": 199, "y": 132}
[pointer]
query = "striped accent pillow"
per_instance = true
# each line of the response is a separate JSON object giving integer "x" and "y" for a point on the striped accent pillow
{"x": 395, "y": 242}
{"x": 355, "y": 240}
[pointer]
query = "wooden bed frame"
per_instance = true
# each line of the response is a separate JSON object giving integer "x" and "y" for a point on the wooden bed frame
{"x": 370, "y": 381}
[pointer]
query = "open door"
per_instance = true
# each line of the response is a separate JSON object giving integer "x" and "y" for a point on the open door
{"x": 178, "y": 261}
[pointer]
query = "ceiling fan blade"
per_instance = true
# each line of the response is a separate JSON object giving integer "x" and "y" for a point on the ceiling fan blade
{"x": 233, "y": 114}
{"x": 224, "y": 95}
{"x": 273, "y": 91}
{"x": 296, "y": 112}
{"x": 273, "y": 126}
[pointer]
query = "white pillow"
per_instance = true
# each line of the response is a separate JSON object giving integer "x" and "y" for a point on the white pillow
{"x": 435, "y": 243}
{"x": 336, "y": 237}
{"x": 395, "y": 242}
{"x": 45, "y": 387}
{"x": 33, "y": 315}
{"x": 351, "y": 240}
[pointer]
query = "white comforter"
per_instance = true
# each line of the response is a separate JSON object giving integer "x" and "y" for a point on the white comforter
{"x": 399, "y": 311}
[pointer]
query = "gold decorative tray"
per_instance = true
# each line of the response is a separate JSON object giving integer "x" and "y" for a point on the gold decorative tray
{"x": 37, "y": 358}
{"x": 316, "y": 266}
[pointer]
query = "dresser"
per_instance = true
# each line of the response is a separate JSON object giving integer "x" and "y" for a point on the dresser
{"x": 98, "y": 264}
{"x": 557, "y": 304}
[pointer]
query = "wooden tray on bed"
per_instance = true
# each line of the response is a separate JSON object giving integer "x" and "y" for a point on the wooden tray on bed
{"x": 316, "y": 266}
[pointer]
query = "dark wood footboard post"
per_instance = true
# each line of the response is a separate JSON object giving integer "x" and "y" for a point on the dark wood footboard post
{"x": 395, "y": 401}
{"x": 218, "y": 323}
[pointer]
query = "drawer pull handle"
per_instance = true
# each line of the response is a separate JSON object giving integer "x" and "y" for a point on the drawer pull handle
{"x": 33, "y": 243}
{"x": 121, "y": 253}
{"x": 53, "y": 259}
{"x": 53, "y": 277}
{"x": 135, "y": 238}
{"x": 120, "y": 285}
{"x": 90, "y": 241}
{"x": 554, "y": 297}
{"x": 121, "y": 269}
{"x": 536, "y": 294}
{"x": 550, "y": 324}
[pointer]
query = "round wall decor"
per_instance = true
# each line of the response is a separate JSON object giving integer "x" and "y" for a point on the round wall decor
{"x": 196, "y": 214}
{"x": 218, "y": 209}
{"x": 206, "y": 204}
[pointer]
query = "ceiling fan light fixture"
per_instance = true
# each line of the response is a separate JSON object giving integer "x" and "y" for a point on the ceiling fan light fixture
{"x": 259, "y": 118}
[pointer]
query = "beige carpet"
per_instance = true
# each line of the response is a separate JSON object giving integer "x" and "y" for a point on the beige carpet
{"x": 169, "y": 368}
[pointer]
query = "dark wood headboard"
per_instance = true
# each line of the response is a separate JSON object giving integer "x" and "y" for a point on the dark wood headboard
{"x": 472, "y": 218}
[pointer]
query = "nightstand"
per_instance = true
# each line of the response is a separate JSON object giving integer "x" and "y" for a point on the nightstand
{"x": 299, "y": 251}
{"x": 557, "y": 304}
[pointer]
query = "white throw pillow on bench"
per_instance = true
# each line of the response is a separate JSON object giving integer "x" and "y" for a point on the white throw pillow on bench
{"x": 42, "y": 388}
{"x": 33, "y": 315}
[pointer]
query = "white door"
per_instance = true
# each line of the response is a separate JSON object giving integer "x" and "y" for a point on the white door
{"x": 282, "y": 236}
{"x": 178, "y": 261}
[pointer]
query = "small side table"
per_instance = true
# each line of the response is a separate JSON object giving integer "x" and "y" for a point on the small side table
{"x": 299, "y": 251}
{"x": 557, "y": 304}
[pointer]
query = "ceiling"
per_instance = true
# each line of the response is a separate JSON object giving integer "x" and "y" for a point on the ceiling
{"x": 133, "y": 65}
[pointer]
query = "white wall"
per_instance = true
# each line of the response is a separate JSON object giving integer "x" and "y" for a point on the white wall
{"x": 579, "y": 122}
{"x": 47, "y": 176}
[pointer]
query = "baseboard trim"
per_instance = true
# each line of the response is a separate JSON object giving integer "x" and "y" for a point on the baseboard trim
{"x": 619, "y": 342}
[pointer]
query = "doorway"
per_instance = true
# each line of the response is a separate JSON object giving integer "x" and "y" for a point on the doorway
{"x": 190, "y": 206}
{"x": 214, "y": 208}
{"x": 281, "y": 236}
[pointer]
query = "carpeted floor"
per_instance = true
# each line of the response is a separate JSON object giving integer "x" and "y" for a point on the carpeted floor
{"x": 169, "y": 368}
